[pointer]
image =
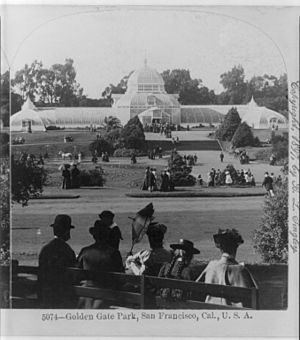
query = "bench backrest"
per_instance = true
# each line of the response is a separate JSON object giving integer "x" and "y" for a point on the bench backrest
{"x": 133, "y": 291}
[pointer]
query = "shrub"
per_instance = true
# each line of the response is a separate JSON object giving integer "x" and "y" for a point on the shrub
{"x": 133, "y": 134}
{"x": 280, "y": 146}
{"x": 263, "y": 155}
{"x": 180, "y": 172}
{"x": 122, "y": 152}
{"x": 4, "y": 144}
{"x": 228, "y": 127}
{"x": 243, "y": 136}
{"x": 27, "y": 180}
{"x": 113, "y": 137}
{"x": 271, "y": 237}
{"x": 92, "y": 177}
{"x": 5, "y": 219}
{"x": 101, "y": 145}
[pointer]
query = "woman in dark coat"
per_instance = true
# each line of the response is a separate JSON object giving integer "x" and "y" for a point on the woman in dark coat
{"x": 99, "y": 256}
{"x": 66, "y": 177}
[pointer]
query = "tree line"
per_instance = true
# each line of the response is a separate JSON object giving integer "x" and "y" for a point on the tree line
{"x": 57, "y": 86}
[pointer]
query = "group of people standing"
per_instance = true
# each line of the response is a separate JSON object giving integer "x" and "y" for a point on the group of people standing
{"x": 190, "y": 160}
{"x": 104, "y": 255}
{"x": 71, "y": 176}
{"x": 150, "y": 182}
{"x": 157, "y": 151}
{"x": 226, "y": 177}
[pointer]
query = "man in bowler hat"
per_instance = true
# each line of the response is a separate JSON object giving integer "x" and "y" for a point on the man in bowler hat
{"x": 115, "y": 235}
{"x": 226, "y": 270}
{"x": 54, "y": 289}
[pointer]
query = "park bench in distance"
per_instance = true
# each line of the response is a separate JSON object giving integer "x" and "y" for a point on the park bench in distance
{"x": 130, "y": 291}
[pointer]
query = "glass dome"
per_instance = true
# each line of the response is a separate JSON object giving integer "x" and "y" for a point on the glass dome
{"x": 145, "y": 80}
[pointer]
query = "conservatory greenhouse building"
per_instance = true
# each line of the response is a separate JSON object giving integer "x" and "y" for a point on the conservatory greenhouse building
{"x": 146, "y": 98}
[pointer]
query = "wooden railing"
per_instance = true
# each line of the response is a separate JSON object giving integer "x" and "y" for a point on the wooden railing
{"x": 123, "y": 290}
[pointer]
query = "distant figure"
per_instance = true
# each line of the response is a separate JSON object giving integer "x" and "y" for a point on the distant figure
{"x": 209, "y": 179}
{"x": 228, "y": 179}
{"x": 55, "y": 257}
{"x": 154, "y": 184}
{"x": 268, "y": 184}
{"x": 273, "y": 159}
{"x": 227, "y": 271}
{"x": 200, "y": 180}
{"x": 75, "y": 177}
{"x": 221, "y": 157}
{"x": 79, "y": 157}
{"x": 66, "y": 177}
{"x": 99, "y": 256}
{"x": 95, "y": 157}
{"x": 195, "y": 159}
{"x": 165, "y": 182}
{"x": 133, "y": 158}
{"x": 41, "y": 160}
{"x": 148, "y": 180}
{"x": 115, "y": 235}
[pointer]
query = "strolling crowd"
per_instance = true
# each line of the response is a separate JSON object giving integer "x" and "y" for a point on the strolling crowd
{"x": 228, "y": 177}
{"x": 103, "y": 255}
{"x": 150, "y": 182}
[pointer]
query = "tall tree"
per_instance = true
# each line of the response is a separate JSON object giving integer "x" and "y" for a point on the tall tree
{"x": 269, "y": 91}
{"x": 230, "y": 124}
{"x": 175, "y": 79}
{"x": 26, "y": 80}
{"x": 234, "y": 84}
{"x": 57, "y": 85}
{"x": 66, "y": 89}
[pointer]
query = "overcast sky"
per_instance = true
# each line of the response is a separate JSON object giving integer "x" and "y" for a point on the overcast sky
{"x": 107, "y": 45}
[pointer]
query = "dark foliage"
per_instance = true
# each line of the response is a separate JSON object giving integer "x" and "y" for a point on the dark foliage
{"x": 133, "y": 134}
{"x": 271, "y": 237}
{"x": 180, "y": 172}
{"x": 101, "y": 145}
{"x": 92, "y": 177}
{"x": 280, "y": 146}
{"x": 122, "y": 152}
{"x": 243, "y": 136}
{"x": 5, "y": 219}
{"x": 27, "y": 180}
{"x": 4, "y": 144}
{"x": 231, "y": 122}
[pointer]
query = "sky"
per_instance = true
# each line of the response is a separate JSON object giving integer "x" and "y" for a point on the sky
{"x": 107, "y": 43}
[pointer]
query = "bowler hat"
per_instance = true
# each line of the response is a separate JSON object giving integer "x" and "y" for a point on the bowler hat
{"x": 62, "y": 221}
{"x": 228, "y": 236}
{"x": 99, "y": 229}
{"x": 185, "y": 245}
{"x": 156, "y": 228}
{"x": 107, "y": 214}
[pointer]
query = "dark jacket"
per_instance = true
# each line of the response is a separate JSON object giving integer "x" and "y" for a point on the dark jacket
{"x": 99, "y": 257}
{"x": 54, "y": 289}
{"x": 268, "y": 183}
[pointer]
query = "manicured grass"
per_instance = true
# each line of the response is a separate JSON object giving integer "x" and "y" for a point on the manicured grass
{"x": 196, "y": 226}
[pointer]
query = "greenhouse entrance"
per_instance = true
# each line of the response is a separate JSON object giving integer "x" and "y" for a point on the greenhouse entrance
{"x": 154, "y": 116}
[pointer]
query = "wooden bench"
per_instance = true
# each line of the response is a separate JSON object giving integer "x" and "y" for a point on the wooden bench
{"x": 130, "y": 291}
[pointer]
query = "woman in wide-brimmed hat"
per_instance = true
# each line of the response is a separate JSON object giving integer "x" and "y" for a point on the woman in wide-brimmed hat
{"x": 99, "y": 256}
{"x": 179, "y": 268}
{"x": 227, "y": 271}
